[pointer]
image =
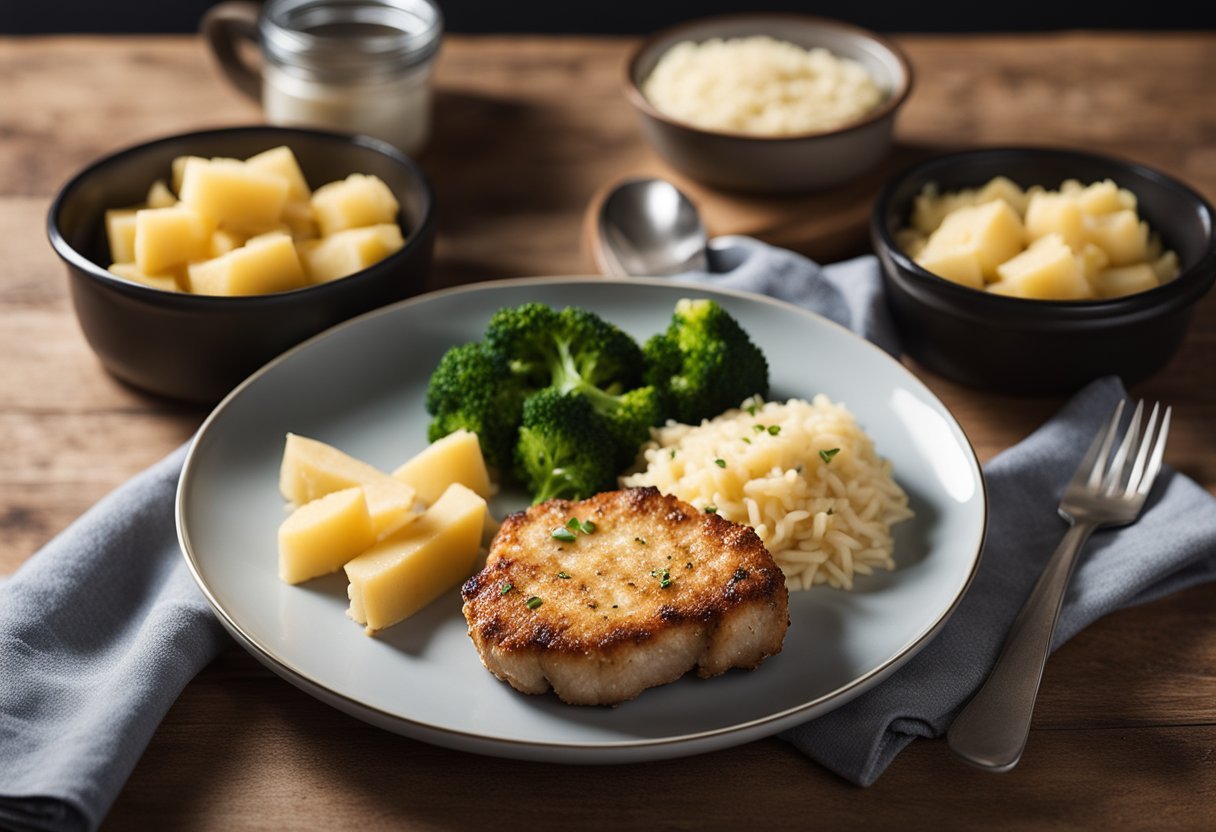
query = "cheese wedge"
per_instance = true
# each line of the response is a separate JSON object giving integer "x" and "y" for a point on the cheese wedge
{"x": 408, "y": 570}
{"x": 321, "y": 536}
{"x": 456, "y": 458}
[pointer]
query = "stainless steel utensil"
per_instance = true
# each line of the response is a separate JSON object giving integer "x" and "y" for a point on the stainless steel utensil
{"x": 991, "y": 730}
{"x": 649, "y": 228}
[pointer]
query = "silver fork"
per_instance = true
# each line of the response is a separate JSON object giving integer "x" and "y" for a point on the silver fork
{"x": 991, "y": 730}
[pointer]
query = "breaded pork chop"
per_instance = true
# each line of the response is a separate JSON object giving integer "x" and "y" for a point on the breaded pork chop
{"x": 645, "y": 589}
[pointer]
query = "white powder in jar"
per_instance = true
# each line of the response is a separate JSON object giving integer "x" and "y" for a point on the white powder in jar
{"x": 761, "y": 86}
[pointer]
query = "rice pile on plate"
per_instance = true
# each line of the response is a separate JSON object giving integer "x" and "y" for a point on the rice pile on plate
{"x": 803, "y": 474}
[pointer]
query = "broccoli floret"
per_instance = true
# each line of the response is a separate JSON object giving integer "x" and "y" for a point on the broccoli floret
{"x": 704, "y": 363}
{"x": 628, "y": 419}
{"x": 572, "y": 350}
{"x": 564, "y": 448}
{"x": 473, "y": 388}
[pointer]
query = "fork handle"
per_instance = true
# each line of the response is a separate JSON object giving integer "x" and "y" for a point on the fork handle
{"x": 991, "y": 730}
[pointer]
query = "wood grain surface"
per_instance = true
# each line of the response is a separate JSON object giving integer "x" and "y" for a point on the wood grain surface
{"x": 527, "y": 130}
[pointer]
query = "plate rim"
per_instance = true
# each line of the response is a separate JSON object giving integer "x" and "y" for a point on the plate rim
{"x": 504, "y": 746}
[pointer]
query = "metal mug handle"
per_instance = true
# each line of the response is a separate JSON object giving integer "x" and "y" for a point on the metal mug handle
{"x": 223, "y": 26}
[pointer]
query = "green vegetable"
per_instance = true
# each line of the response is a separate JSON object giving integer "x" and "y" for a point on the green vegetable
{"x": 576, "y": 351}
{"x": 774, "y": 429}
{"x": 827, "y": 455}
{"x": 563, "y": 576}
{"x": 472, "y": 388}
{"x": 711, "y": 509}
{"x": 721, "y": 463}
{"x": 704, "y": 363}
{"x": 563, "y": 450}
{"x": 506, "y": 588}
{"x": 563, "y": 534}
{"x": 533, "y": 602}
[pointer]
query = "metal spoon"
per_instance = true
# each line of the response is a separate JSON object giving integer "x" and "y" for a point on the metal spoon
{"x": 649, "y": 228}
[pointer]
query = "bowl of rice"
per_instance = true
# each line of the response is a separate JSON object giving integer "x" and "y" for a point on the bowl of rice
{"x": 768, "y": 103}
{"x": 803, "y": 474}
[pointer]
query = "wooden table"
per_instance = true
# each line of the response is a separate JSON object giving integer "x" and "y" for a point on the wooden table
{"x": 528, "y": 128}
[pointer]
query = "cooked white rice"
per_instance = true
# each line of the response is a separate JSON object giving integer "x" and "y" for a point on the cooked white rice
{"x": 760, "y": 85}
{"x": 761, "y": 465}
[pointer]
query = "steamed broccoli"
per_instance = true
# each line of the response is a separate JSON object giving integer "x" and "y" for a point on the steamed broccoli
{"x": 473, "y": 388}
{"x": 564, "y": 449}
{"x": 704, "y": 363}
{"x": 572, "y": 350}
{"x": 576, "y": 351}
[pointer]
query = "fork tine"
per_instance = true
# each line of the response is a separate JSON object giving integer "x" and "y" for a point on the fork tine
{"x": 1146, "y": 444}
{"x": 1118, "y": 466}
{"x": 1154, "y": 465}
{"x": 1095, "y": 457}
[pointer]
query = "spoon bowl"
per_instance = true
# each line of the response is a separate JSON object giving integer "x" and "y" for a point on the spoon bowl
{"x": 648, "y": 227}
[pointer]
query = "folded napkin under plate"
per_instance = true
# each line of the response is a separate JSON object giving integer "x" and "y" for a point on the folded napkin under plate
{"x": 101, "y": 629}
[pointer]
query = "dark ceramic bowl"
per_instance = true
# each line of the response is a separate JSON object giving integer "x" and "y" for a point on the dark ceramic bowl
{"x": 1035, "y": 346}
{"x": 197, "y": 347}
{"x": 795, "y": 163}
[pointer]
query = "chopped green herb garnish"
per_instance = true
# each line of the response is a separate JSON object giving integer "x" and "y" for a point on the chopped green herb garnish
{"x": 641, "y": 540}
{"x": 758, "y": 428}
{"x": 673, "y": 454}
{"x": 563, "y": 576}
{"x": 533, "y": 602}
{"x": 829, "y": 512}
{"x": 711, "y": 509}
{"x": 572, "y": 524}
{"x": 721, "y": 463}
{"x": 588, "y": 527}
{"x": 664, "y": 577}
{"x": 774, "y": 430}
{"x": 563, "y": 534}
{"x": 506, "y": 588}
{"x": 751, "y": 409}
{"x": 827, "y": 455}
{"x": 745, "y": 439}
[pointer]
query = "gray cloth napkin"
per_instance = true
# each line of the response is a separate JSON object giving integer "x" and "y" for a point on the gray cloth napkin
{"x": 101, "y": 629}
{"x": 1172, "y": 546}
{"x": 99, "y": 633}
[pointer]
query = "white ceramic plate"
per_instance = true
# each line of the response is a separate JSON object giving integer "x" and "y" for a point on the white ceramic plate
{"x": 360, "y": 386}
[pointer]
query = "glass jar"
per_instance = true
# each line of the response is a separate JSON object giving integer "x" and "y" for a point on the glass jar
{"x": 360, "y": 66}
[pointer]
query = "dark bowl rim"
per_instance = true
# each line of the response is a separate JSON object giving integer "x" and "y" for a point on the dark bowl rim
{"x": 635, "y": 96}
{"x": 1186, "y": 284}
{"x": 74, "y": 258}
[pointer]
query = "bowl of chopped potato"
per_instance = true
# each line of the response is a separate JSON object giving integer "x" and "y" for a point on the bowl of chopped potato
{"x": 194, "y": 259}
{"x": 1035, "y": 270}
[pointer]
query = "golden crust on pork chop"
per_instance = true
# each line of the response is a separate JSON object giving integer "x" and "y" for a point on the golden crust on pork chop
{"x": 655, "y": 590}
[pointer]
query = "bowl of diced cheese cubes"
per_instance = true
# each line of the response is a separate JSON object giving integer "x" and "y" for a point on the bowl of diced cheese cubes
{"x": 195, "y": 259}
{"x": 1035, "y": 270}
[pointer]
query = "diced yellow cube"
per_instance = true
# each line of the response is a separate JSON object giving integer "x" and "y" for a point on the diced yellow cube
{"x": 1055, "y": 214}
{"x": 130, "y": 271}
{"x": 179, "y": 170}
{"x": 992, "y": 232}
{"x": 281, "y": 162}
{"x": 346, "y": 252}
{"x": 1126, "y": 280}
{"x": 408, "y": 570}
{"x": 233, "y": 192}
{"x": 168, "y": 237}
{"x": 312, "y": 469}
{"x": 1092, "y": 261}
{"x": 1002, "y": 187}
{"x": 354, "y": 202}
{"x": 263, "y": 265}
{"x": 159, "y": 195}
{"x": 1121, "y": 235}
{"x": 300, "y": 220}
{"x": 1047, "y": 270}
{"x": 960, "y": 265}
{"x": 456, "y": 458}
{"x": 120, "y": 234}
{"x": 322, "y": 536}
{"x": 1100, "y": 198}
{"x": 1166, "y": 267}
